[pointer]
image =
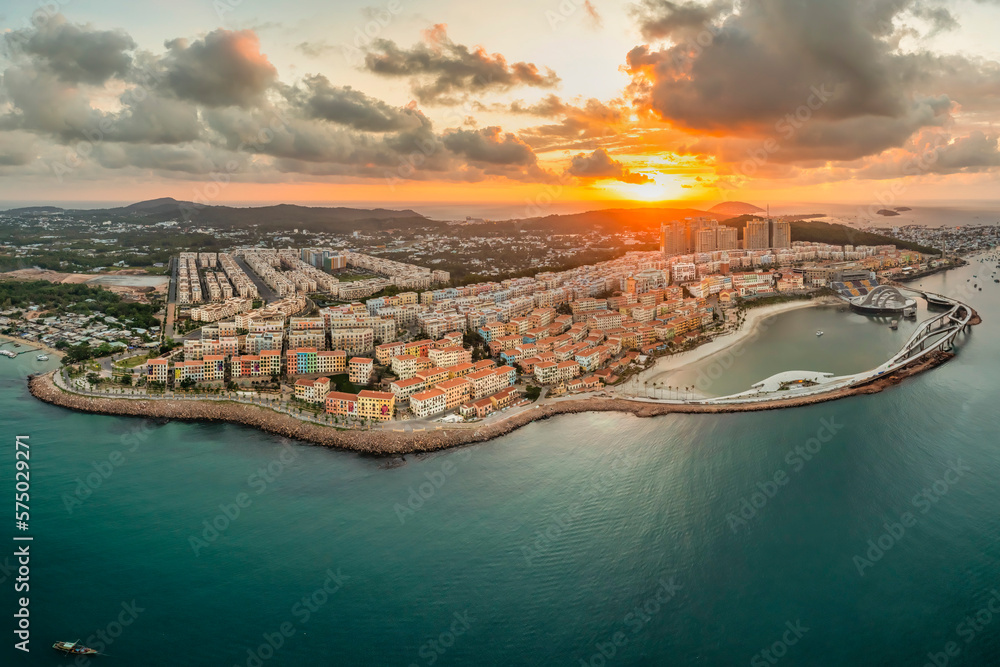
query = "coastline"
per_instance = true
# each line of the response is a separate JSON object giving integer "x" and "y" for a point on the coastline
{"x": 386, "y": 442}
{"x": 664, "y": 366}
{"x": 33, "y": 344}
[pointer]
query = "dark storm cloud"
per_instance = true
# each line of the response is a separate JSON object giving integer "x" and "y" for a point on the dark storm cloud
{"x": 347, "y": 106}
{"x": 490, "y": 145}
{"x": 661, "y": 19}
{"x": 440, "y": 69}
{"x": 831, "y": 63}
{"x": 976, "y": 152}
{"x": 74, "y": 53}
{"x": 599, "y": 164}
{"x": 226, "y": 68}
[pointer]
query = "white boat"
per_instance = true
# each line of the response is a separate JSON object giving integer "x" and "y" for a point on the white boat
{"x": 42, "y": 357}
{"x": 819, "y": 333}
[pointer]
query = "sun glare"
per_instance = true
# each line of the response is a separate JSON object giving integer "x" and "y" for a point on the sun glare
{"x": 663, "y": 187}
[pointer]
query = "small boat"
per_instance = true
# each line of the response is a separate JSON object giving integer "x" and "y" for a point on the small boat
{"x": 74, "y": 648}
{"x": 894, "y": 325}
{"x": 819, "y": 333}
{"x": 42, "y": 357}
{"x": 17, "y": 345}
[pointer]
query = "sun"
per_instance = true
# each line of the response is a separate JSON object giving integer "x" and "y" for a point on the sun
{"x": 663, "y": 187}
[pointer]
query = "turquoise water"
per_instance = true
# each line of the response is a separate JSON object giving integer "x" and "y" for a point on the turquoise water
{"x": 571, "y": 536}
{"x": 851, "y": 343}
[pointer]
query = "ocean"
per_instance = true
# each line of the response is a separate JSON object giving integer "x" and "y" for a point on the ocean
{"x": 858, "y": 532}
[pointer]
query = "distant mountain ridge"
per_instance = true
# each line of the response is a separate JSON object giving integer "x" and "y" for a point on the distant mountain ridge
{"x": 344, "y": 220}
{"x": 275, "y": 218}
{"x": 636, "y": 219}
{"x": 734, "y": 208}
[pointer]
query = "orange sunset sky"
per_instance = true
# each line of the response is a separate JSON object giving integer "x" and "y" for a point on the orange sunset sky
{"x": 576, "y": 102}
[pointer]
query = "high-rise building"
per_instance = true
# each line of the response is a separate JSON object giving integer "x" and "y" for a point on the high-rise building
{"x": 727, "y": 238}
{"x": 673, "y": 238}
{"x": 756, "y": 234}
{"x": 781, "y": 234}
{"x": 705, "y": 240}
{"x": 682, "y": 237}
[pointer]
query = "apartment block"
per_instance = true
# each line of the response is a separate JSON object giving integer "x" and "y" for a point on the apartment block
{"x": 312, "y": 391}
{"x": 157, "y": 370}
{"x": 427, "y": 403}
{"x": 331, "y": 361}
{"x": 341, "y": 403}
{"x": 376, "y": 405}
{"x": 360, "y": 370}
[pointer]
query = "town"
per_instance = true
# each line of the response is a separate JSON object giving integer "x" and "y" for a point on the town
{"x": 354, "y": 339}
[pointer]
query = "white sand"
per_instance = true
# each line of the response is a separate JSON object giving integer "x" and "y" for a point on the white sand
{"x": 666, "y": 366}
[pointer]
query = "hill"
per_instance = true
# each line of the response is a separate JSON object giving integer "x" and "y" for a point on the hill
{"x": 613, "y": 219}
{"x": 734, "y": 208}
{"x": 281, "y": 217}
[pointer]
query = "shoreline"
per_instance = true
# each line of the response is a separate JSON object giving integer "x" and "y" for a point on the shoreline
{"x": 664, "y": 366}
{"x": 33, "y": 344}
{"x": 386, "y": 442}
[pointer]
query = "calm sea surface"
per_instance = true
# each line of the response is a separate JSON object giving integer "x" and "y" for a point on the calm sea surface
{"x": 588, "y": 539}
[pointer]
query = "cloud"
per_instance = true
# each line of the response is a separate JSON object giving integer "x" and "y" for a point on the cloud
{"x": 663, "y": 19}
{"x": 16, "y": 149}
{"x": 489, "y": 145}
{"x": 595, "y": 19}
{"x": 75, "y": 53}
{"x": 226, "y": 68}
{"x": 577, "y": 123}
{"x": 347, "y": 106}
{"x": 830, "y": 63}
{"x": 440, "y": 69}
{"x": 315, "y": 49}
{"x": 600, "y": 165}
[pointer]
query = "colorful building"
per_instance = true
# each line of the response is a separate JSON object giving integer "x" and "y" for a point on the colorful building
{"x": 376, "y": 405}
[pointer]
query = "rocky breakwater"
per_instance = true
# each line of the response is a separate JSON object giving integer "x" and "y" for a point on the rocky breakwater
{"x": 389, "y": 442}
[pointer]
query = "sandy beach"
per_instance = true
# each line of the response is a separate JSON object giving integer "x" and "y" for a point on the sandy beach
{"x": 748, "y": 331}
{"x": 32, "y": 344}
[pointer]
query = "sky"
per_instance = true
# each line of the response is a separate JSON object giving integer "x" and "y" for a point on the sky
{"x": 516, "y": 109}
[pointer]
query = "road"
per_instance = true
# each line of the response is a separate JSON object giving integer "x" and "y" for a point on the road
{"x": 266, "y": 292}
{"x": 168, "y": 324}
